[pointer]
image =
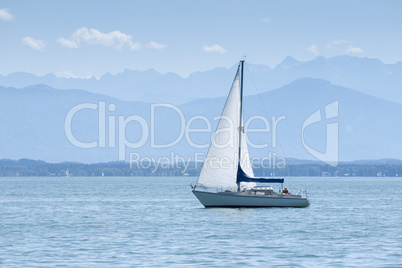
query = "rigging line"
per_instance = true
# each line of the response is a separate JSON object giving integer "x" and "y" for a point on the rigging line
{"x": 262, "y": 103}
{"x": 258, "y": 93}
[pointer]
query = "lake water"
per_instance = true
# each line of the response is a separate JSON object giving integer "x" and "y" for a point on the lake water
{"x": 157, "y": 222}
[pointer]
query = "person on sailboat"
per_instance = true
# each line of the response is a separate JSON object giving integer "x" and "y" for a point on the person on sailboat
{"x": 286, "y": 191}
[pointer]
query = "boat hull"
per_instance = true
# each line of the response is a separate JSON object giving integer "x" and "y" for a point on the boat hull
{"x": 224, "y": 199}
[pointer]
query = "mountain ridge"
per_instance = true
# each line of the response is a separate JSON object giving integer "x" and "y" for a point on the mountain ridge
{"x": 367, "y": 75}
{"x": 33, "y": 119}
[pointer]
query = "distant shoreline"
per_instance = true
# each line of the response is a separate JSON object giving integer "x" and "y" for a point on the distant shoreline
{"x": 294, "y": 168}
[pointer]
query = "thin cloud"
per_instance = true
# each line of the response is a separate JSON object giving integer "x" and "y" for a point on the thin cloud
{"x": 266, "y": 20}
{"x": 354, "y": 50}
{"x": 35, "y": 44}
{"x": 155, "y": 45}
{"x": 336, "y": 42}
{"x": 313, "y": 49}
{"x": 5, "y": 15}
{"x": 340, "y": 41}
{"x": 214, "y": 49}
{"x": 67, "y": 43}
{"x": 68, "y": 74}
{"x": 115, "y": 39}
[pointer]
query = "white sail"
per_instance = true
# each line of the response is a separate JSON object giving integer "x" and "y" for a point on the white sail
{"x": 245, "y": 163}
{"x": 220, "y": 166}
{"x": 245, "y": 157}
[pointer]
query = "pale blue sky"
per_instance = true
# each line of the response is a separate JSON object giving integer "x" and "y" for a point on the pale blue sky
{"x": 84, "y": 38}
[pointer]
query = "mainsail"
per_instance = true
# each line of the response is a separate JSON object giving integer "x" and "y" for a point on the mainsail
{"x": 221, "y": 164}
{"x": 222, "y": 168}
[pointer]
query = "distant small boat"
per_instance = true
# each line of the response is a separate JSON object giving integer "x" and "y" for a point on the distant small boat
{"x": 227, "y": 180}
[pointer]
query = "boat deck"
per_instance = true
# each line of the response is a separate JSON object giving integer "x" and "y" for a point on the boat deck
{"x": 261, "y": 192}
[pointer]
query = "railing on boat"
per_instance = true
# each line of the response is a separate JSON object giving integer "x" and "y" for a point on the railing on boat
{"x": 200, "y": 187}
{"x": 302, "y": 193}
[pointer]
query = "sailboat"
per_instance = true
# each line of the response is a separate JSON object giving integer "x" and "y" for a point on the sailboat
{"x": 227, "y": 178}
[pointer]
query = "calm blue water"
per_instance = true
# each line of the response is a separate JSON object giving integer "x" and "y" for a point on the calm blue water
{"x": 157, "y": 222}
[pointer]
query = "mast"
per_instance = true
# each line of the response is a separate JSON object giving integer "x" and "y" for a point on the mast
{"x": 241, "y": 115}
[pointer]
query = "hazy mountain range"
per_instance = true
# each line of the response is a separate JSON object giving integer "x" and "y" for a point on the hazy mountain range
{"x": 369, "y": 76}
{"x": 33, "y": 118}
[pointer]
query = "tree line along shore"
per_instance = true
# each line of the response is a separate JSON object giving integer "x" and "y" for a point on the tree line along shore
{"x": 26, "y": 167}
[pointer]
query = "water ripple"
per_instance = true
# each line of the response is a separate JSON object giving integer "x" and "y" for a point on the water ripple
{"x": 156, "y": 222}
